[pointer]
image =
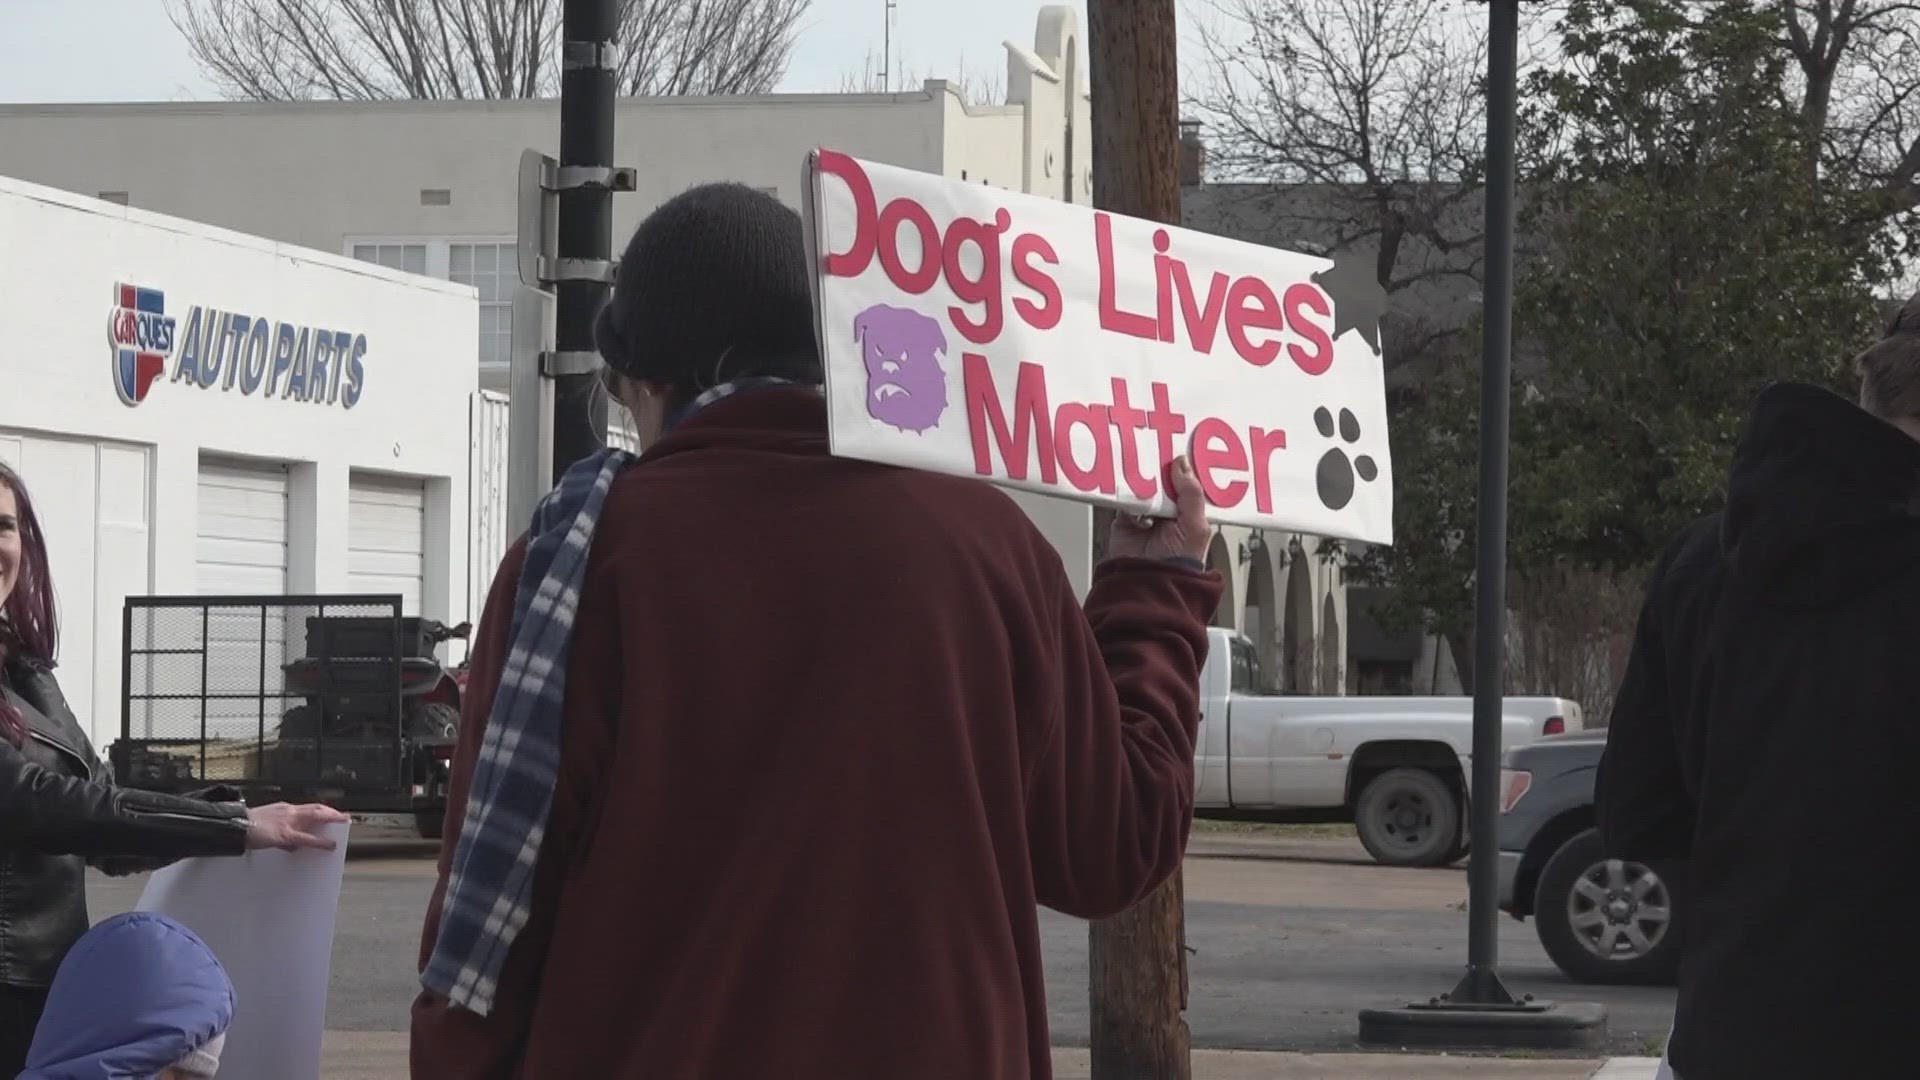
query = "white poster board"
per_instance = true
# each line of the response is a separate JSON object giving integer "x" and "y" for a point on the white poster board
{"x": 1057, "y": 349}
{"x": 269, "y": 917}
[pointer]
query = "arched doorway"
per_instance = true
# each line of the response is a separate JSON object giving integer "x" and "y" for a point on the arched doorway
{"x": 1331, "y": 676}
{"x": 1070, "y": 75}
{"x": 1263, "y": 617}
{"x": 1296, "y": 644}
{"x": 1056, "y": 44}
{"x": 1220, "y": 560}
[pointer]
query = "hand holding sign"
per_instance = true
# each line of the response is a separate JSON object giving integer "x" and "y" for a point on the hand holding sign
{"x": 286, "y": 827}
{"x": 1185, "y": 535}
{"x": 1060, "y": 350}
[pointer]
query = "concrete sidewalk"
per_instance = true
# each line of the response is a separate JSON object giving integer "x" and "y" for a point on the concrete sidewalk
{"x": 382, "y": 1055}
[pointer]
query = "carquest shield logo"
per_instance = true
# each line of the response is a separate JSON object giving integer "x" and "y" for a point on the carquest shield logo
{"x": 142, "y": 337}
{"x": 256, "y": 356}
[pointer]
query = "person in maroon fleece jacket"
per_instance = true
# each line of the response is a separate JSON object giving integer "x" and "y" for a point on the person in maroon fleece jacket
{"x": 831, "y": 730}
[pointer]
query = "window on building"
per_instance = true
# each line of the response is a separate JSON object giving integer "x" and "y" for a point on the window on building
{"x": 490, "y": 266}
{"x": 409, "y": 258}
{"x": 490, "y": 269}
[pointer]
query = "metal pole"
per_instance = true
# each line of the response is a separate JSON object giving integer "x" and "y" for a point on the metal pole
{"x": 206, "y": 621}
{"x": 1482, "y": 982}
{"x": 586, "y": 220}
{"x": 886, "y": 49}
{"x": 1480, "y": 1012}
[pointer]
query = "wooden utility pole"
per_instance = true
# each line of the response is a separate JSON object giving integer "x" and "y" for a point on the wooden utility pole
{"x": 1137, "y": 960}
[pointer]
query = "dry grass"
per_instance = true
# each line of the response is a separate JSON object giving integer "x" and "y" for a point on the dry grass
{"x": 1282, "y": 832}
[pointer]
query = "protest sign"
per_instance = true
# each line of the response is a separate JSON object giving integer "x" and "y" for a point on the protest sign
{"x": 269, "y": 917}
{"x": 1057, "y": 349}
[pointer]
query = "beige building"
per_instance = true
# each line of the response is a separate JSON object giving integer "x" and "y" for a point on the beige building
{"x": 431, "y": 188}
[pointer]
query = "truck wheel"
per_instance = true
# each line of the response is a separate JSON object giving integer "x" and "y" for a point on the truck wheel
{"x": 1408, "y": 817}
{"x": 1606, "y": 920}
{"x": 429, "y": 823}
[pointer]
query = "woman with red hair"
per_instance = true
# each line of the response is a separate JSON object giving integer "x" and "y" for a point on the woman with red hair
{"x": 59, "y": 808}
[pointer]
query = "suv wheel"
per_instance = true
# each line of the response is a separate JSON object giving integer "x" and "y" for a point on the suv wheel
{"x": 1606, "y": 920}
{"x": 1409, "y": 817}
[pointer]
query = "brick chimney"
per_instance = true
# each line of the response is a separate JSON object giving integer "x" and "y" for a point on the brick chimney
{"x": 1193, "y": 154}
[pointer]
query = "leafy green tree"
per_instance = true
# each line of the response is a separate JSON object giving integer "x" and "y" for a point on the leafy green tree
{"x": 1679, "y": 259}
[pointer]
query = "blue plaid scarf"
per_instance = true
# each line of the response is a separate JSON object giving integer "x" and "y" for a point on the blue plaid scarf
{"x": 491, "y": 883}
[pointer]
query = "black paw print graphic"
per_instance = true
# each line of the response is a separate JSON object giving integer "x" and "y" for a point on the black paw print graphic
{"x": 1335, "y": 475}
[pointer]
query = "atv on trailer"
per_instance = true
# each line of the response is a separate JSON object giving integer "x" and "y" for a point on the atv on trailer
{"x": 350, "y": 683}
{"x": 333, "y": 698}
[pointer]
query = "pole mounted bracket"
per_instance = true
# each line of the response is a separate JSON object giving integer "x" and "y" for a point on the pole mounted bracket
{"x": 557, "y": 271}
{"x": 613, "y": 178}
{"x": 569, "y": 362}
{"x": 587, "y": 56}
{"x": 542, "y": 180}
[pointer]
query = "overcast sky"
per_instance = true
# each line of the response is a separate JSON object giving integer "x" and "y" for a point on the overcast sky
{"x": 126, "y": 50}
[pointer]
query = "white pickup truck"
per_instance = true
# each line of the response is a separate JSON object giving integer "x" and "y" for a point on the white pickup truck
{"x": 1396, "y": 767}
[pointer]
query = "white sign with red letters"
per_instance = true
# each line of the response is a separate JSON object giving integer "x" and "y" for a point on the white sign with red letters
{"x": 1058, "y": 349}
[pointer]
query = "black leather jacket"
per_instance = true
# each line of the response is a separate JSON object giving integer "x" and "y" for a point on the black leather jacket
{"x": 59, "y": 811}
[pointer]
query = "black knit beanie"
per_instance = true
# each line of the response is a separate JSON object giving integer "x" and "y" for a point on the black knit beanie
{"x": 713, "y": 287}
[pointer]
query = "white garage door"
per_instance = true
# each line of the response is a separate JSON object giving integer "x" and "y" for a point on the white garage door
{"x": 241, "y": 549}
{"x": 242, "y": 539}
{"x": 92, "y": 499}
{"x": 386, "y": 537}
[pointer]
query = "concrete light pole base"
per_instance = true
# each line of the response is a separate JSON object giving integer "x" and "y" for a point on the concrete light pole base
{"x": 1539, "y": 1025}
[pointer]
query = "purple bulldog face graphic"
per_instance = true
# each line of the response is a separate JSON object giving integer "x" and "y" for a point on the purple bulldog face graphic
{"x": 906, "y": 387}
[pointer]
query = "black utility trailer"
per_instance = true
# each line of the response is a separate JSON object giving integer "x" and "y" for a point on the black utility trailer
{"x": 334, "y": 699}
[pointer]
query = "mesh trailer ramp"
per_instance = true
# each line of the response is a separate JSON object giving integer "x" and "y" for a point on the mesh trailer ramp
{"x": 295, "y": 698}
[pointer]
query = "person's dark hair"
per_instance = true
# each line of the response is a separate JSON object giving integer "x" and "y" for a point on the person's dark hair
{"x": 27, "y": 621}
{"x": 1890, "y": 368}
{"x": 712, "y": 287}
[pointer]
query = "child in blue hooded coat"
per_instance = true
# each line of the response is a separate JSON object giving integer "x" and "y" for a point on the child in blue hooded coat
{"x": 140, "y": 997}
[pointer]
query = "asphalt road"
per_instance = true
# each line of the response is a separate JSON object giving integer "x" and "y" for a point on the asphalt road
{"x": 1287, "y": 951}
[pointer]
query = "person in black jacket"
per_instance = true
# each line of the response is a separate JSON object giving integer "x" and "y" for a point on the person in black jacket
{"x": 59, "y": 808}
{"x": 1766, "y": 734}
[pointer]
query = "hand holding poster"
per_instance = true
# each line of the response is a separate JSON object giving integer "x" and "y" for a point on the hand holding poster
{"x": 269, "y": 917}
{"x": 1057, "y": 349}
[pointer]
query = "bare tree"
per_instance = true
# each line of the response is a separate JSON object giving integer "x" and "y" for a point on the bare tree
{"x": 1572, "y": 642}
{"x": 1369, "y": 110}
{"x": 293, "y": 50}
{"x": 1859, "y": 88}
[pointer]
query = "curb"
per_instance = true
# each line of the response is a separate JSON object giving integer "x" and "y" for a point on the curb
{"x": 1328, "y": 852}
{"x": 399, "y": 847}
{"x": 1629, "y": 1068}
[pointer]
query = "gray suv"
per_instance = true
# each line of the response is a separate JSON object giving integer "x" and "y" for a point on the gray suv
{"x": 1601, "y": 920}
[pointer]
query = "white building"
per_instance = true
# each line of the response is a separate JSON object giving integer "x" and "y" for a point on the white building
{"x": 199, "y": 411}
{"x": 431, "y": 188}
